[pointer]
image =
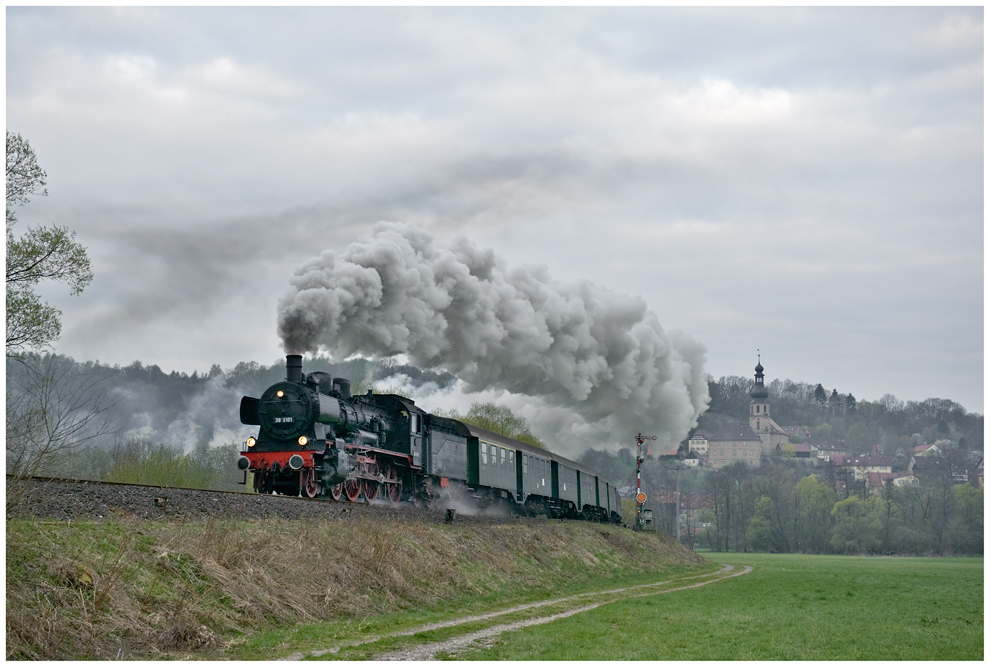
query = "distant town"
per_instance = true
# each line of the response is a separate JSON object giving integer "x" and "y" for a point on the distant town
{"x": 848, "y": 477}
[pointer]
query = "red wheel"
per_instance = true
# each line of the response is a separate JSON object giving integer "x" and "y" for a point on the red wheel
{"x": 393, "y": 487}
{"x": 308, "y": 482}
{"x": 352, "y": 489}
{"x": 394, "y": 491}
{"x": 336, "y": 491}
{"x": 370, "y": 489}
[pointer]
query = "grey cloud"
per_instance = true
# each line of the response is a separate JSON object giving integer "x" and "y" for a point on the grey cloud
{"x": 601, "y": 355}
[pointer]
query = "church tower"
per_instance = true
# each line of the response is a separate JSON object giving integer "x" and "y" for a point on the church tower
{"x": 759, "y": 410}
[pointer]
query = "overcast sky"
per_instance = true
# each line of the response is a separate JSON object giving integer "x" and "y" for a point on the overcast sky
{"x": 808, "y": 182}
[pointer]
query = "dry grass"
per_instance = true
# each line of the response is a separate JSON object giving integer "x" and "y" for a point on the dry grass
{"x": 144, "y": 590}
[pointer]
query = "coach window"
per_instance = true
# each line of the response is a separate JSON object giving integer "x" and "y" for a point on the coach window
{"x": 525, "y": 463}
{"x": 501, "y": 457}
{"x": 484, "y": 453}
{"x": 512, "y": 457}
{"x": 494, "y": 456}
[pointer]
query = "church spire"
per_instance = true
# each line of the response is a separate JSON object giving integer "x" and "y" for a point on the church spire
{"x": 759, "y": 392}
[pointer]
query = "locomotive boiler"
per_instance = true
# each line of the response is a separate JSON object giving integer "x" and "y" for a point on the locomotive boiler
{"x": 316, "y": 439}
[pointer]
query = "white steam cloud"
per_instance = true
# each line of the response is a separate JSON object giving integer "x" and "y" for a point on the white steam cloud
{"x": 596, "y": 366}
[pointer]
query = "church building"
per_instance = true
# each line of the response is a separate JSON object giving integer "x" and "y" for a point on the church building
{"x": 737, "y": 441}
{"x": 769, "y": 432}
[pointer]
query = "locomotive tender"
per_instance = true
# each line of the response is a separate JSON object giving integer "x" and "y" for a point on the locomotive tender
{"x": 318, "y": 440}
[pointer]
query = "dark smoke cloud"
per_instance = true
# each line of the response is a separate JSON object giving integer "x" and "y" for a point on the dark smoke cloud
{"x": 598, "y": 361}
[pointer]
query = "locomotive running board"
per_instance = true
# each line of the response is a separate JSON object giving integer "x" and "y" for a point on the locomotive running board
{"x": 362, "y": 449}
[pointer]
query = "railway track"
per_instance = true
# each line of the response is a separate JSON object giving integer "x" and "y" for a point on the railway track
{"x": 66, "y": 499}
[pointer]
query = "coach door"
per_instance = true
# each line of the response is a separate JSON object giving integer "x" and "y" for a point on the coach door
{"x": 416, "y": 438}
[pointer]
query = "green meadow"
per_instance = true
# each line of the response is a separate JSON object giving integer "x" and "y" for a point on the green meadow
{"x": 790, "y": 607}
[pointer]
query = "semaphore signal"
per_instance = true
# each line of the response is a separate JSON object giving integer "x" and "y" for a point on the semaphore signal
{"x": 640, "y": 496}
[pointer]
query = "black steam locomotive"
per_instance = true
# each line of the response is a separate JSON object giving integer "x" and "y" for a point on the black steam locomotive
{"x": 318, "y": 440}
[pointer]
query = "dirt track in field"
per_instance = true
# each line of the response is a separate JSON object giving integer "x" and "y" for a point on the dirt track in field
{"x": 452, "y": 646}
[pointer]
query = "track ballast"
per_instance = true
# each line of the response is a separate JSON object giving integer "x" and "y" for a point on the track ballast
{"x": 51, "y": 498}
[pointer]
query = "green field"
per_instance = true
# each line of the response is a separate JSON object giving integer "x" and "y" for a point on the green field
{"x": 791, "y": 607}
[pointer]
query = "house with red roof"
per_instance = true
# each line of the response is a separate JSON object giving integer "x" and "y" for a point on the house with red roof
{"x": 801, "y": 451}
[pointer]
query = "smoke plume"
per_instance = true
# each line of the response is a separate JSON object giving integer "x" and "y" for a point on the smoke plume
{"x": 596, "y": 365}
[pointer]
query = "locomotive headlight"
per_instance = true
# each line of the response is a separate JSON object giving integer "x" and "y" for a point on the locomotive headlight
{"x": 251, "y": 442}
{"x": 280, "y": 393}
{"x": 303, "y": 440}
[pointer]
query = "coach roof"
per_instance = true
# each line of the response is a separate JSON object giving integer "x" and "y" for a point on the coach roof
{"x": 505, "y": 441}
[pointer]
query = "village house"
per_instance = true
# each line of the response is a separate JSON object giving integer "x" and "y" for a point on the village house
{"x": 876, "y": 481}
{"x": 698, "y": 443}
{"x": 861, "y": 465}
{"x": 952, "y": 464}
{"x": 692, "y": 504}
{"x": 828, "y": 449}
{"x": 801, "y": 452}
{"x": 735, "y": 441}
{"x": 691, "y": 507}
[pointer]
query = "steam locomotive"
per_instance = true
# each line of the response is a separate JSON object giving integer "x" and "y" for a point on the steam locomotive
{"x": 315, "y": 439}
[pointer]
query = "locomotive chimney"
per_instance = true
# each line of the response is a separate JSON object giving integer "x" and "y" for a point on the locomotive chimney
{"x": 293, "y": 367}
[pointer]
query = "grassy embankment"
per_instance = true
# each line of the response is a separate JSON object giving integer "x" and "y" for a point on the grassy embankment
{"x": 791, "y": 607}
{"x": 258, "y": 590}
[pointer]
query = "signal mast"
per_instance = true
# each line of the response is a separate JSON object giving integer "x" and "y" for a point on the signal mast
{"x": 640, "y": 496}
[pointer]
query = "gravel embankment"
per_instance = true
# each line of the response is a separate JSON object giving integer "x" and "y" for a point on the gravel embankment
{"x": 88, "y": 501}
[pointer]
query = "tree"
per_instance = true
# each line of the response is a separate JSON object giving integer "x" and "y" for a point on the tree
{"x": 760, "y": 533}
{"x": 857, "y": 525}
{"x": 772, "y": 526}
{"x": 500, "y": 419}
{"x": 820, "y": 394}
{"x": 835, "y": 402}
{"x": 815, "y": 501}
{"x": 42, "y": 253}
{"x": 53, "y": 411}
{"x": 719, "y": 486}
{"x": 968, "y": 524}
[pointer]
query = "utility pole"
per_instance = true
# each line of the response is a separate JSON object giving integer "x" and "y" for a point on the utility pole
{"x": 640, "y": 496}
{"x": 677, "y": 500}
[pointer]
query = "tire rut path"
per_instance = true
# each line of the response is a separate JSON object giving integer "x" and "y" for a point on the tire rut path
{"x": 455, "y": 644}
